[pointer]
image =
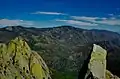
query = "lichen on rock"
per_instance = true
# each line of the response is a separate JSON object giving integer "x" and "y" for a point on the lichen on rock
{"x": 18, "y": 61}
{"x": 96, "y": 65}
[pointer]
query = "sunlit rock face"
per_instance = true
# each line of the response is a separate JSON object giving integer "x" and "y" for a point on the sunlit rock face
{"x": 18, "y": 61}
{"x": 109, "y": 75}
{"x": 95, "y": 65}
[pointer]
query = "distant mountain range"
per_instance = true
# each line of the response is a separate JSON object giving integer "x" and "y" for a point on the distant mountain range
{"x": 65, "y": 48}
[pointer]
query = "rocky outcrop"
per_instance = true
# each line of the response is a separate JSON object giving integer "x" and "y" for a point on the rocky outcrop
{"x": 18, "y": 61}
{"x": 96, "y": 67}
{"x": 97, "y": 64}
{"x": 109, "y": 75}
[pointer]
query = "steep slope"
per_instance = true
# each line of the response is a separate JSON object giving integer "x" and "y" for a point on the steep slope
{"x": 18, "y": 61}
{"x": 65, "y": 48}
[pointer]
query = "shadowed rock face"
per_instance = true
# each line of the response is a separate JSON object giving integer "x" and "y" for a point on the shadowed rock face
{"x": 96, "y": 65}
{"x": 18, "y": 61}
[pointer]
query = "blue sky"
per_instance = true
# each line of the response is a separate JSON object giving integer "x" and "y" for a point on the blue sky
{"x": 88, "y": 14}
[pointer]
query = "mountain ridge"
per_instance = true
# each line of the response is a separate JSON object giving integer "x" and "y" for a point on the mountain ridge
{"x": 65, "y": 48}
{"x": 64, "y": 26}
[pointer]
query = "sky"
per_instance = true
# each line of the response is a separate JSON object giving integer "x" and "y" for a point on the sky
{"x": 87, "y": 14}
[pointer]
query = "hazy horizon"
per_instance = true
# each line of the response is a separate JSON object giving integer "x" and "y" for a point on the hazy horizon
{"x": 94, "y": 14}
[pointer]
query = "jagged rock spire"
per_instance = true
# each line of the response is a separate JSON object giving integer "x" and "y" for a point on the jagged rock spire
{"x": 18, "y": 61}
{"x": 95, "y": 65}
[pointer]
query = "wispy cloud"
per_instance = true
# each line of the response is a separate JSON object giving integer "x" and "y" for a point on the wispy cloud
{"x": 98, "y": 20}
{"x": 111, "y": 21}
{"x": 8, "y": 22}
{"x": 87, "y": 18}
{"x": 111, "y": 14}
{"x": 49, "y": 13}
{"x": 74, "y": 22}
